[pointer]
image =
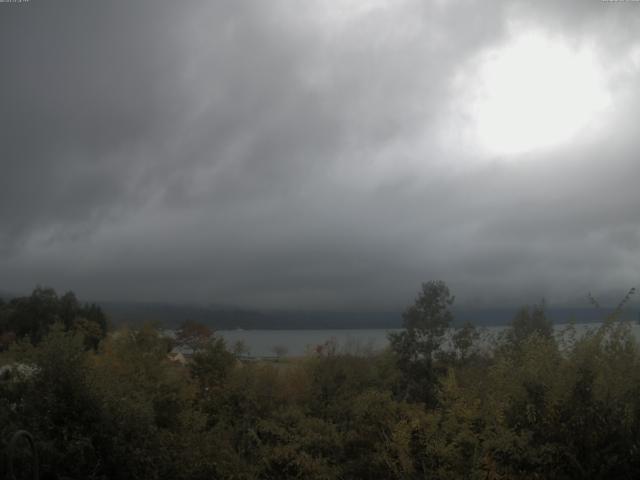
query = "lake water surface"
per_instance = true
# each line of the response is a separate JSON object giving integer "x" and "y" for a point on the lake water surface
{"x": 262, "y": 343}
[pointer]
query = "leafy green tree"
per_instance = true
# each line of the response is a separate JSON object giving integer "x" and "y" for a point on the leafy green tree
{"x": 56, "y": 402}
{"x": 92, "y": 322}
{"x": 193, "y": 335}
{"x": 293, "y": 445}
{"x": 464, "y": 339}
{"x": 32, "y": 316}
{"x": 448, "y": 442}
{"x": 240, "y": 348}
{"x": 425, "y": 324}
{"x": 379, "y": 436}
{"x": 529, "y": 321}
{"x": 146, "y": 406}
{"x": 211, "y": 365}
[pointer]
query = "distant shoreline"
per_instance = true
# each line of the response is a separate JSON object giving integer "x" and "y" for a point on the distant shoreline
{"x": 170, "y": 316}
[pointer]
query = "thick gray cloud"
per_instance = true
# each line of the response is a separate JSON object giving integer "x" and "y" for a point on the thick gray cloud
{"x": 316, "y": 154}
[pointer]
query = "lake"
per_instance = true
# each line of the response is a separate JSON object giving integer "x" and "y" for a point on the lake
{"x": 261, "y": 343}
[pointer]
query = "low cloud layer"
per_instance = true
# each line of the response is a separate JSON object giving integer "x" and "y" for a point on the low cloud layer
{"x": 280, "y": 155}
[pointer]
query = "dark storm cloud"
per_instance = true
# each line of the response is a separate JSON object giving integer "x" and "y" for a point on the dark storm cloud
{"x": 264, "y": 154}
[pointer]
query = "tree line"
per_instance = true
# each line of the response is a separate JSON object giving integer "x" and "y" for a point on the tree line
{"x": 437, "y": 403}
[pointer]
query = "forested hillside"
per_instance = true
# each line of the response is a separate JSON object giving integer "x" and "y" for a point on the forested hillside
{"x": 114, "y": 405}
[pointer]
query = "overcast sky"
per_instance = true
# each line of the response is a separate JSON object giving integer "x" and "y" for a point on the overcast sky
{"x": 320, "y": 154}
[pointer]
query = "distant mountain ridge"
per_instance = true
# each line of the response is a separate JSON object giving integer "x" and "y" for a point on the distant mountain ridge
{"x": 229, "y": 318}
{"x": 224, "y": 317}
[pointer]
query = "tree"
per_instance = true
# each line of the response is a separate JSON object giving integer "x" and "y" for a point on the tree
{"x": 463, "y": 340}
{"x": 58, "y": 403}
{"x": 193, "y": 335}
{"x": 211, "y": 365}
{"x": 529, "y": 321}
{"x": 240, "y": 348}
{"x": 425, "y": 324}
{"x": 93, "y": 313}
{"x": 32, "y": 317}
{"x": 68, "y": 309}
{"x": 145, "y": 406}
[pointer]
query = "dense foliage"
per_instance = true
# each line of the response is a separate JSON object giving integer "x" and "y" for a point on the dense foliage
{"x": 31, "y": 317}
{"x": 529, "y": 404}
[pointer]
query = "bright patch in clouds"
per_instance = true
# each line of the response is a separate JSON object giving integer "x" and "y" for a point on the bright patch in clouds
{"x": 533, "y": 93}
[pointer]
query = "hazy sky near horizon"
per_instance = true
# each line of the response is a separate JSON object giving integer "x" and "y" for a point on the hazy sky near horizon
{"x": 320, "y": 154}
